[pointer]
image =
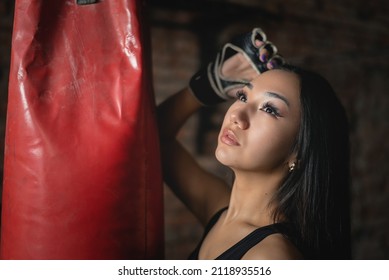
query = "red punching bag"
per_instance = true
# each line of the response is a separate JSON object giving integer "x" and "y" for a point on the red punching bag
{"x": 82, "y": 175}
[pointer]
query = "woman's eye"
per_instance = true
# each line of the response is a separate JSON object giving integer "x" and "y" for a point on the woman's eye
{"x": 241, "y": 96}
{"x": 270, "y": 110}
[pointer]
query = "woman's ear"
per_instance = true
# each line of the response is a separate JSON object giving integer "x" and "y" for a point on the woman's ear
{"x": 293, "y": 162}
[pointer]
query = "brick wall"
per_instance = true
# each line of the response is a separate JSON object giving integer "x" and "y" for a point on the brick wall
{"x": 346, "y": 40}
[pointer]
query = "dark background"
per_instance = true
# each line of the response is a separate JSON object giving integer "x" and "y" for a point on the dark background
{"x": 347, "y": 41}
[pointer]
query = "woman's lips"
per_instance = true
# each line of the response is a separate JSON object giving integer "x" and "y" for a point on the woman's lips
{"x": 228, "y": 137}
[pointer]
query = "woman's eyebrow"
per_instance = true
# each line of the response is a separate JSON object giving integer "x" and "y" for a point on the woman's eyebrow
{"x": 276, "y": 95}
{"x": 249, "y": 85}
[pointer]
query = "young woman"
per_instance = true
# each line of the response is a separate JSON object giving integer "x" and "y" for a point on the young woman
{"x": 286, "y": 140}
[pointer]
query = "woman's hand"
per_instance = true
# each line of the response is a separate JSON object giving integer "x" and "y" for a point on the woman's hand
{"x": 235, "y": 65}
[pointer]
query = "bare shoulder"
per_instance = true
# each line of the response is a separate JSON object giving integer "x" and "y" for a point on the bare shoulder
{"x": 274, "y": 247}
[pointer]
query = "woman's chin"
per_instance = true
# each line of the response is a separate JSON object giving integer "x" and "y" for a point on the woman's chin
{"x": 223, "y": 156}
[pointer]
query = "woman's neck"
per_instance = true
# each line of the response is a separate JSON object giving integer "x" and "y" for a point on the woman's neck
{"x": 251, "y": 198}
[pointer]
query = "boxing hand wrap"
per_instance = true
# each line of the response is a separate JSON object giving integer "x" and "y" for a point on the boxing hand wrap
{"x": 211, "y": 87}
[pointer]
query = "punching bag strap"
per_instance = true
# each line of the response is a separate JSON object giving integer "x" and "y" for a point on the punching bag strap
{"x": 87, "y": 2}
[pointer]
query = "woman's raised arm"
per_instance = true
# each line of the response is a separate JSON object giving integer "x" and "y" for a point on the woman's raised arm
{"x": 202, "y": 192}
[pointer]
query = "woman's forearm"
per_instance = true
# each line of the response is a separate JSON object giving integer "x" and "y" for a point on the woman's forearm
{"x": 174, "y": 112}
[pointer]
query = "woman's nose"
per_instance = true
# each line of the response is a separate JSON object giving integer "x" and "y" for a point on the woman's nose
{"x": 240, "y": 119}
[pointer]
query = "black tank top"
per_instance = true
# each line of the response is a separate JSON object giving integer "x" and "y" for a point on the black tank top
{"x": 237, "y": 251}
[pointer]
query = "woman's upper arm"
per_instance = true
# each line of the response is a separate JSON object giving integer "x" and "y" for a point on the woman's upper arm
{"x": 202, "y": 192}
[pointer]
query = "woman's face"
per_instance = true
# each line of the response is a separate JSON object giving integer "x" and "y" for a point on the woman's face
{"x": 260, "y": 127}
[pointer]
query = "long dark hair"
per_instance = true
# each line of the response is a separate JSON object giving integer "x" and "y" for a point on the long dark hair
{"x": 315, "y": 196}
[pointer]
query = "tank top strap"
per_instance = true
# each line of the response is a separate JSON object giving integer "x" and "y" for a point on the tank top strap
{"x": 195, "y": 254}
{"x": 237, "y": 251}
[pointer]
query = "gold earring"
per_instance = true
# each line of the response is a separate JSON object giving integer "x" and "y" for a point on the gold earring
{"x": 292, "y": 167}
